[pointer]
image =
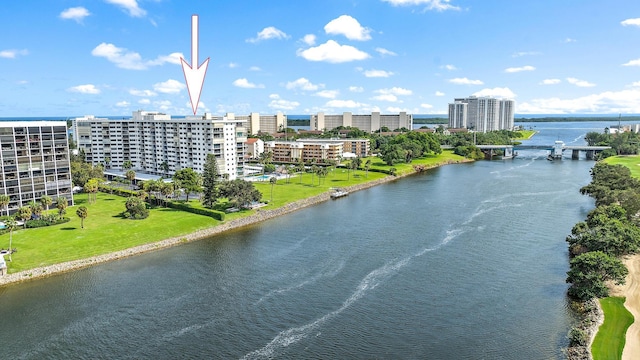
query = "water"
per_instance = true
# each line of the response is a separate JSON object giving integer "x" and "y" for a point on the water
{"x": 464, "y": 262}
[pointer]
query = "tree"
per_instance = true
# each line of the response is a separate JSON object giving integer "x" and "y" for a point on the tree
{"x": 367, "y": 166}
{"x": 209, "y": 181}
{"x": 127, "y": 165}
{"x": 91, "y": 188}
{"x": 273, "y": 180}
{"x": 164, "y": 167}
{"x": 240, "y": 192}
{"x": 4, "y": 202}
{"x": 61, "y": 205}
{"x": 189, "y": 180}
{"x": 130, "y": 175}
{"x": 24, "y": 213}
{"x": 82, "y": 213}
{"x": 107, "y": 161}
{"x": 136, "y": 208}
{"x": 46, "y": 201}
{"x": 589, "y": 272}
{"x": 36, "y": 208}
{"x": 11, "y": 225}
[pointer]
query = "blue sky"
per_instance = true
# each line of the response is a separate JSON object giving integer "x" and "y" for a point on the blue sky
{"x": 111, "y": 57}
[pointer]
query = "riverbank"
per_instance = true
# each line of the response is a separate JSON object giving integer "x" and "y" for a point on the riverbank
{"x": 259, "y": 216}
{"x": 631, "y": 290}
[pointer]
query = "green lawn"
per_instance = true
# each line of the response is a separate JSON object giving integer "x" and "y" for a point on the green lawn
{"x": 610, "y": 339}
{"x": 630, "y": 161}
{"x": 105, "y": 231}
{"x": 526, "y": 134}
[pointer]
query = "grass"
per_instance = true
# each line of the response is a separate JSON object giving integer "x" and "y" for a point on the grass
{"x": 105, "y": 231}
{"x": 526, "y": 134}
{"x": 610, "y": 339}
{"x": 630, "y": 161}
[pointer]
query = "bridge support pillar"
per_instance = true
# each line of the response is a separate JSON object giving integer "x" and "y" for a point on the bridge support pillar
{"x": 575, "y": 154}
{"x": 590, "y": 154}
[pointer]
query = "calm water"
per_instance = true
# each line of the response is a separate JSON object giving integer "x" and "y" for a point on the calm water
{"x": 464, "y": 262}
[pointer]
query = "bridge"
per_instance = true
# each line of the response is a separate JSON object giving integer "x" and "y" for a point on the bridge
{"x": 555, "y": 150}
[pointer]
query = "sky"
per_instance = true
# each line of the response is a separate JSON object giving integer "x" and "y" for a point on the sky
{"x": 112, "y": 57}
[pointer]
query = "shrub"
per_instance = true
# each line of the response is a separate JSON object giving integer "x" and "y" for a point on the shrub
{"x": 577, "y": 337}
{"x": 46, "y": 220}
{"x": 218, "y": 215}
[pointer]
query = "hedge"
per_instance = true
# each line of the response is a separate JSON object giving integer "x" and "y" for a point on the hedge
{"x": 117, "y": 191}
{"x": 218, "y": 215}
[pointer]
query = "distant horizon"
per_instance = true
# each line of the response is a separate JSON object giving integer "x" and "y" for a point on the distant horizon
{"x": 306, "y": 116}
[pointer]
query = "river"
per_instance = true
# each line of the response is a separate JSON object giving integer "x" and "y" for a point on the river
{"x": 463, "y": 262}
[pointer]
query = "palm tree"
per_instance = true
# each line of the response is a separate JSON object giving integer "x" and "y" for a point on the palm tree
{"x": 273, "y": 180}
{"x": 82, "y": 213}
{"x": 62, "y": 204}
{"x": 11, "y": 225}
{"x": 367, "y": 166}
{"x": 36, "y": 208}
{"x": 164, "y": 167}
{"x": 130, "y": 175}
{"x": 46, "y": 201}
{"x": 127, "y": 165}
{"x": 24, "y": 213}
{"x": 4, "y": 202}
{"x": 107, "y": 161}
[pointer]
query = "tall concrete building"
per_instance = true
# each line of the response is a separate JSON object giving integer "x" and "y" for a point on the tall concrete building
{"x": 481, "y": 114}
{"x": 157, "y": 144}
{"x": 368, "y": 123}
{"x": 35, "y": 162}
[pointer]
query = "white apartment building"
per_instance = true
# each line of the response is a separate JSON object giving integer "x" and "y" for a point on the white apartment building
{"x": 368, "y": 123}
{"x": 157, "y": 144}
{"x": 35, "y": 162}
{"x": 264, "y": 123}
{"x": 482, "y": 114}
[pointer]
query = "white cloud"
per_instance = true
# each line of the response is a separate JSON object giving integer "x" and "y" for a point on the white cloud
{"x": 349, "y": 27}
{"x": 131, "y": 60}
{"x": 343, "y": 104}
{"x": 85, "y": 89}
{"x": 448, "y": 67}
{"x": 123, "y": 104}
{"x": 383, "y": 51}
{"x": 609, "y": 102}
{"x": 170, "y": 86}
{"x": 244, "y": 83}
{"x": 580, "y": 83}
{"x": 145, "y": 93}
{"x": 333, "y": 52}
{"x": 497, "y": 92}
{"x": 281, "y": 104}
{"x": 550, "y": 81}
{"x": 268, "y": 33}
{"x": 329, "y": 94}
{"x": 144, "y": 101}
{"x": 303, "y": 84}
{"x": 163, "y": 105}
{"x": 569, "y": 40}
{"x": 631, "y": 22}
{"x": 75, "y": 13}
{"x": 394, "y": 91}
{"x": 438, "y": 5}
{"x": 232, "y": 65}
{"x": 465, "y": 81}
{"x": 357, "y": 89}
{"x": 395, "y": 109}
{"x": 426, "y": 106}
{"x": 635, "y": 62}
{"x": 519, "y": 69}
{"x": 309, "y": 39}
{"x": 255, "y": 68}
{"x": 201, "y": 106}
{"x": 377, "y": 73}
{"x": 525, "y": 53}
{"x": 635, "y": 84}
{"x": 129, "y": 6}
{"x": 386, "y": 97}
{"x": 439, "y": 93}
{"x": 12, "y": 53}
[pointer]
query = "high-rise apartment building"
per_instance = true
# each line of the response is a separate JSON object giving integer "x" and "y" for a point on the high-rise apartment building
{"x": 481, "y": 114}
{"x": 35, "y": 162}
{"x": 157, "y": 144}
{"x": 368, "y": 123}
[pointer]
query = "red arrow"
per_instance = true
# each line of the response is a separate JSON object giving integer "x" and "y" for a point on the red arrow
{"x": 194, "y": 77}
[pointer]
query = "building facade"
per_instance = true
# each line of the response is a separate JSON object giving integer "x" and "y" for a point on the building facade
{"x": 482, "y": 114}
{"x": 309, "y": 150}
{"x": 35, "y": 162}
{"x": 368, "y": 123}
{"x": 156, "y": 144}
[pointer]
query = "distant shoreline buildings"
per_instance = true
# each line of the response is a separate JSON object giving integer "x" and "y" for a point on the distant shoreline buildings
{"x": 482, "y": 114}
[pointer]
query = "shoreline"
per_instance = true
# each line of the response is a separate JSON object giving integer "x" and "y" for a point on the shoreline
{"x": 259, "y": 216}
